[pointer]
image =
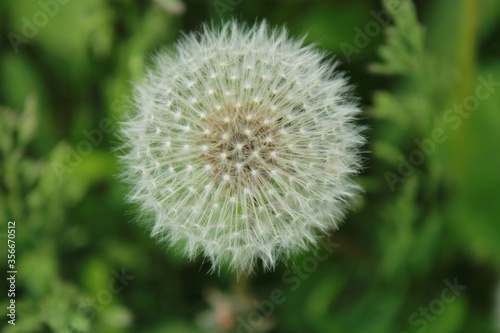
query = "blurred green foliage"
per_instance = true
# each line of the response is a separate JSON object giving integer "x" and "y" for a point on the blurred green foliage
{"x": 430, "y": 215}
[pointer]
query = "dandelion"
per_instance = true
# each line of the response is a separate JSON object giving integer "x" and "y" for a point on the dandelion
{"x": 242, "y": 146}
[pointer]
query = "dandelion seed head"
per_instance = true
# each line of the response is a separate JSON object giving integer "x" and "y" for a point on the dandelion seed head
{"x": 249, "y": 138}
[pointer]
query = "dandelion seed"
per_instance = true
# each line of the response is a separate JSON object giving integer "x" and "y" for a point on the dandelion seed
{"x": 276, "y": 147}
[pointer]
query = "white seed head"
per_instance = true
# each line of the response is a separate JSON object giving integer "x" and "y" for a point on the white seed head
{"x": 266, "y": 170}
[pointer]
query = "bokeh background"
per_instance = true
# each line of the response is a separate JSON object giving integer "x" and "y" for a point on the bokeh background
{"x": 419, "y": 252}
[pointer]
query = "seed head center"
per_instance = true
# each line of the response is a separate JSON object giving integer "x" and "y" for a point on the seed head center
{"x": 242, "y": 143}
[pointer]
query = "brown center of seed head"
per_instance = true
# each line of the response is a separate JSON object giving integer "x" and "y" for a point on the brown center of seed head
{"x": 241, "y": 145}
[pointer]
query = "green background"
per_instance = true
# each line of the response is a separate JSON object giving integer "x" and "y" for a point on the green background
{"x": 67, "y": 72}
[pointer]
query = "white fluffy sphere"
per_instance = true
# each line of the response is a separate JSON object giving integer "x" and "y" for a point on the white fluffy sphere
{"x": 242, "y": 146}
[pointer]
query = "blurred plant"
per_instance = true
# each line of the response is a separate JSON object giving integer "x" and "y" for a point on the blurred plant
{"x": 32, "y": 195}
{"x": 229, "y": 311}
